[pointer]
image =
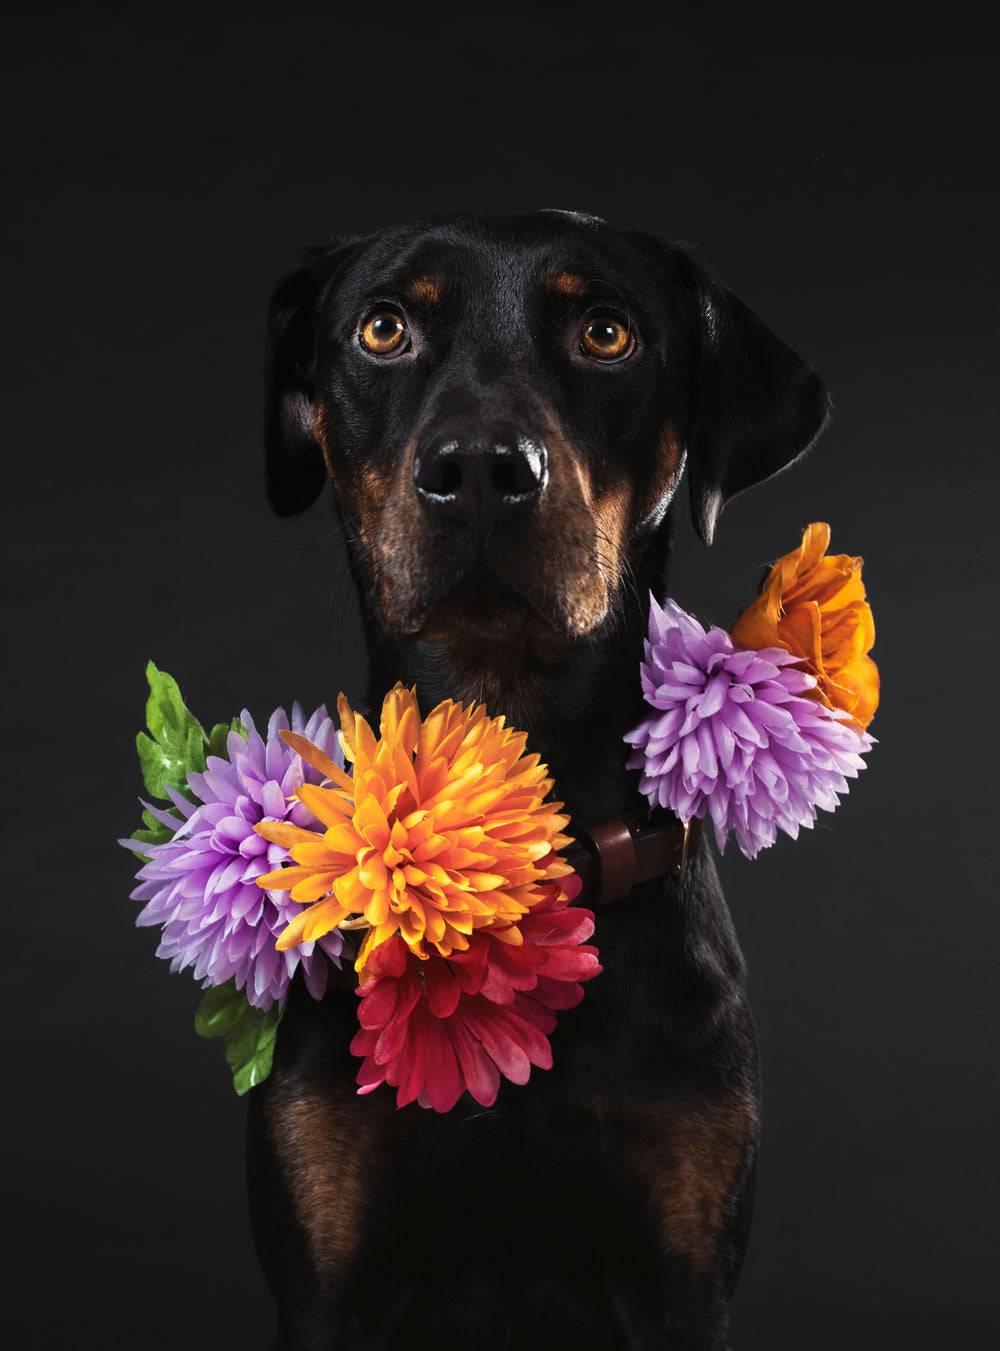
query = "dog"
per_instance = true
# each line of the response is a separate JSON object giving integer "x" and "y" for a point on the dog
{"x": 505, "y": 408}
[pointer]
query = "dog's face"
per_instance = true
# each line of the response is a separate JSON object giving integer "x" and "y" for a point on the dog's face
{"x": 505, "y": 408}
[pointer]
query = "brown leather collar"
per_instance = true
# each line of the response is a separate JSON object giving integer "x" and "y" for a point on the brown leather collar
{"x": 613, "y": 858}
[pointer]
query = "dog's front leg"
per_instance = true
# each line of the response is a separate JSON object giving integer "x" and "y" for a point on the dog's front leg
{"x": 694, "y": 1162}
{"x": 316, "y": 1155}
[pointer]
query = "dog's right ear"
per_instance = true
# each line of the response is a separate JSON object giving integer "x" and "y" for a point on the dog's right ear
{"x": 757, "y": 405}
{"x": 293, "y": 459}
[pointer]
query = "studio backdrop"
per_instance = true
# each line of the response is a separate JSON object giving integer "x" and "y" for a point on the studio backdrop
{"x": 835, "y": 165}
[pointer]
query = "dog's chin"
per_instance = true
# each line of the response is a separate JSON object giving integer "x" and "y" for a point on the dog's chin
{"x": 490, "y": 645}
{"x": 482, "y": 608}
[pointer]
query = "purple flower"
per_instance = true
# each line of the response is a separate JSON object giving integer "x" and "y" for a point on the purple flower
{"x": 732, "y": 734}
{"x": 201, "y": 885}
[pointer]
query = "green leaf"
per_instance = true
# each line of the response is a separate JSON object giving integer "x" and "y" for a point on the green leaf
{"x": 178, "y": 746}
{"x": 221, "y": 1009}
{"x": 219, "y": 735}
{"x": 250, "y": 1049}
{"x": 249, "y": 1032}
{"x": 178, "y": 742}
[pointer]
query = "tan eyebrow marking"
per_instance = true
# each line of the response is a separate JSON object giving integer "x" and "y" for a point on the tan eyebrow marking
{"x": 423, "y": 290}
{"x": 565, "y": 283}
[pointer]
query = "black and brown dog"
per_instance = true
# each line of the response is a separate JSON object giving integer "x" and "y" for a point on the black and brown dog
{"x": 505, "y": 408}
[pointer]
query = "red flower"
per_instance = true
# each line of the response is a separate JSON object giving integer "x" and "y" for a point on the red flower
{"x": 436, "y": 1027}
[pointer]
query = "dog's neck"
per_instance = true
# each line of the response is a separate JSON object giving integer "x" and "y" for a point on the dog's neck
{"x": 575, "y": 708}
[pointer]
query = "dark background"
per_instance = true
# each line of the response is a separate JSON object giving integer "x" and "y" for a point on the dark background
{"x": 838, "y": 166}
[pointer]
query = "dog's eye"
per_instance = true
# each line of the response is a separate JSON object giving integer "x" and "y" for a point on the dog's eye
{"x": 385, "y": 333}
{"x": 605, "y": 339}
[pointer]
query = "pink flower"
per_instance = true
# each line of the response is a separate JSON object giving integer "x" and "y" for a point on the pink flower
{"x": 435, "y": 1028}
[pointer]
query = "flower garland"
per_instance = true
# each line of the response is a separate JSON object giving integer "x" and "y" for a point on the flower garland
{"x": 430, "y": 855}
{"x": 439, "y": 849}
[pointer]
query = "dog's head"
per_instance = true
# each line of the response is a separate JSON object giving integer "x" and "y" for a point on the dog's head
{"x": 505, "y": 408}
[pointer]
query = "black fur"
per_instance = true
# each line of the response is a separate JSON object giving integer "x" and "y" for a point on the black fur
{"x": 507, "y": 502}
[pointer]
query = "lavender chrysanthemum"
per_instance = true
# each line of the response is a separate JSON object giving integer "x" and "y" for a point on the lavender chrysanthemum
{"x": 201, "y": 885}
{"x": 733, "y": 736}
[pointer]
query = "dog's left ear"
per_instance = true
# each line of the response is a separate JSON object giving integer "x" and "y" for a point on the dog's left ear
{"x": 293, "y": 459}
{"x": 756, "y": 405}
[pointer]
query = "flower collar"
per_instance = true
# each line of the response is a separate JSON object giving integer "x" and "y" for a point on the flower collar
{"x": 431, "y": 857}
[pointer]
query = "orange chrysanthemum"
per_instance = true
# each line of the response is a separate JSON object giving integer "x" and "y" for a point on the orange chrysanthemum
{"x": 441, "y": 830}
{"x": 814, "y": 607}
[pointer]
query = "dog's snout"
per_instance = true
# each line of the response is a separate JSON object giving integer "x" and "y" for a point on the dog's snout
{"x": 479, "y": 479}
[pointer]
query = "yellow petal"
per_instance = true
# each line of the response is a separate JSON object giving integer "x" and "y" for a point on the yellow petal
{"x": 311, "y": 924}
{"x": 316, "y": 853}
{"x": 757, "y": 626}
{"x": 284, "y": 833}
{"x": 367, "y": 946}
{"x": 371, "y": 823}
{"x": 347, "y": 730}
{"x": 353, "y": 894}
{"x": 317, "y": 758}
{"x": 343, "y": 838}
{"x": 312, "y": 885}
{"x": 801, "y": 632}
{"x": 373, "y": 873}
{"x": 324, "y": 804}
{"x": 815, "y": 542}
{"x": 512, "y": 936}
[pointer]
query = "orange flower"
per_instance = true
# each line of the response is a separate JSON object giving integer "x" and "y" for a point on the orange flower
{"x": 441, "y": 830}
{"x": 815, "y": 607}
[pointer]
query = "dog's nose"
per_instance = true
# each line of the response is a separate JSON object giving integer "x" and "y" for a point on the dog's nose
{"x": 478, "y": 480}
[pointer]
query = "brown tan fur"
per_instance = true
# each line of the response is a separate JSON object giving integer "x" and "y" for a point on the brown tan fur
{"x": 324, "y": 1143}
{"x": 691, "y": 1161}
{"x": 424, "y": 290}
{"x": 565, "y": 284}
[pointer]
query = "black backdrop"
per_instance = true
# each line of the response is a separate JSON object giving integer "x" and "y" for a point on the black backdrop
{"x": 837, "y": 165}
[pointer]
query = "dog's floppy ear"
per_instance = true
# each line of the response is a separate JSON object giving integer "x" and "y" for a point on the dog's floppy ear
{"x": 756, "y": 405}
{"x": 293, "y": 459}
